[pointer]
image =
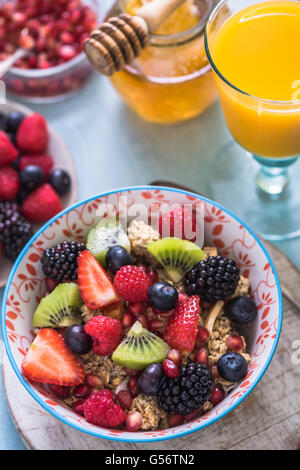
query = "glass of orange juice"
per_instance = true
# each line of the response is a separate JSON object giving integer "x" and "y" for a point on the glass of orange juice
{"x": 253, "y": 49}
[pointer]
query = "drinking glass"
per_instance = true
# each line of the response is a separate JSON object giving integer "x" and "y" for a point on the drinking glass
{"x": 252, "y": 173}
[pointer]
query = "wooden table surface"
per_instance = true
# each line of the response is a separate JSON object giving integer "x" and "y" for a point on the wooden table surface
{"x": 268, "y": 419}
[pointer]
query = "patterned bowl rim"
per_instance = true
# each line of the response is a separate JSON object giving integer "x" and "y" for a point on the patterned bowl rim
{"x": 32, "y": 392}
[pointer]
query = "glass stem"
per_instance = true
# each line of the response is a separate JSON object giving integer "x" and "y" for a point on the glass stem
{"x": 273, "y": 176}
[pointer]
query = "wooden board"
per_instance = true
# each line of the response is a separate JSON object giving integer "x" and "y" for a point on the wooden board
{"x": 268, "y": 419}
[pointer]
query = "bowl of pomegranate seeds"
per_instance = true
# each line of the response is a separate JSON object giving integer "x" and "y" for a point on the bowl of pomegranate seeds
{"x": 37, "y": 179}
{"x": 163, "y": 323}
{"x": 53, "y": 32}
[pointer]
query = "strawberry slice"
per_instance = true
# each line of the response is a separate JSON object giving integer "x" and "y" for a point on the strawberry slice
{"x": 182, "y": 326}
{"x": 49, "y": 360}
{"x": 95, "y": 287}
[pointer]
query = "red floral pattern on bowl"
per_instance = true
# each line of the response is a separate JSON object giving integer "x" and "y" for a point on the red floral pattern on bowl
{"x": 26, "y": 286}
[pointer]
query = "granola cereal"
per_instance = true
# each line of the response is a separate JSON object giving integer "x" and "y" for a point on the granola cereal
{"x": 140, "y": 234}
{"x": 151, "y": 412}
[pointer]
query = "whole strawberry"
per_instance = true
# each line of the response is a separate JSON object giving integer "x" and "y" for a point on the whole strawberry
{"x": 182, "y": 326}
{"x": 9, "y": 183}
{"x": 32, "y": 135}
{"x": 100, "y": 409}
{"x": 180, "y": 223}
{"x": 42, "y": 204}
{"x": 8, "y": 153}
{"x": 106, "y": 333}
{"x": 132, "y": 283}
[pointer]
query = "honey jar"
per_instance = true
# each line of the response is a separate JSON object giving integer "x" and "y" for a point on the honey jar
{"x": 172, "y": 80}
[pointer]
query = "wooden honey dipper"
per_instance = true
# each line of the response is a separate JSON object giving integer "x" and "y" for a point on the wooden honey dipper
{"x": 120, "y": 39}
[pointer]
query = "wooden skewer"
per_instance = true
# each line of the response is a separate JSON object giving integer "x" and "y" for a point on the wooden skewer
{"x": 119, "y": 40}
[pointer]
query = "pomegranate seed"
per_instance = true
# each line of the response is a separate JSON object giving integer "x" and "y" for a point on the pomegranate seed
{"x": 18, "y": 18}
{"x": 235, "y": 343}
{"x": 156, "y": 325}
{"x": 202, "y": 335}
{"x": 94, "y": 381}
{"x": 132, "y": 372}
{"x": 217, "y": 395}
{"x": 175, "y": 356}
{"x": 51, "y": 284}
{"x": 66, "y": 52}
{"x": 215, "y": 372}
{"x": 136, "y": 308}
{"x": 133, "y": 386}
{"x": 58, "y": 391}
{"x": 82, "y": 391}
{"x": 78, "y": 407}
{"x": 128, "y": 320}
{"x": 201, "y": 356}
{"x": 134, "y": 421}
{"x": 170, "y": 368}
{"x": 194, "y": 414}
{"x": 175, "y": 420}
{"x": 143, "y": 320}
{"x": 125, "y": 399}
{"x": 152, "y": 275}
{"x": 67, "y": 38}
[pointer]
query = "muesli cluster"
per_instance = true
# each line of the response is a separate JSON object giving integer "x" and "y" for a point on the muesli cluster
{"x": 140, "y": 331}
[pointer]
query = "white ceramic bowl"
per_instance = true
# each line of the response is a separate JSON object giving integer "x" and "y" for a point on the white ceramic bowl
{"x": 26, "y": 285}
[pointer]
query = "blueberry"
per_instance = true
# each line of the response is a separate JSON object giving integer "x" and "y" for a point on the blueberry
{"x": 31, "y": 177}
{"x": 116, "y": 257}
{"x": 232, "y": 366}
{"x": 14, "y": 119}
{"x": 60, "y": 180}
{"x": 78, "y": 340}
{"x": 149, "y": 381}
{"x": 241, "y": 310}
{"x": 163, "y": 296}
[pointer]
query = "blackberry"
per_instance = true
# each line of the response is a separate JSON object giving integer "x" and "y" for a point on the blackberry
{"x": 15, "y": 230}
{"x": 60, "y": 261}
{"x": 213, "y": 278}
{"x": 187, "y": 392}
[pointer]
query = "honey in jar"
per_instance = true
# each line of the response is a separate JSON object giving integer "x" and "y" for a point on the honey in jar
{"x": 171, "y": 81}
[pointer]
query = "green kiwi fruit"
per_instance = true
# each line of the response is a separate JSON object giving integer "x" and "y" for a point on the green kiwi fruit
{"x": 140, "y": 348}
{"x": 59, "y": 309}
{"x": 176, "y": 256}
{"x": 105, "y": 234}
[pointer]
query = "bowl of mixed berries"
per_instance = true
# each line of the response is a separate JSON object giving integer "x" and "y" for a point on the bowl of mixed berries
{"x": 52, "y": 33}
{"x": 36, "y": 173}
{"x": 126, "y": 333}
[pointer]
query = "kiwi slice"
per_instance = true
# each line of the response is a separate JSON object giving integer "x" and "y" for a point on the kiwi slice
{"x": 107, "y": 233}
{"x": 140, "y": 348}
{"x": 176, "y": 256}
{"x": 59, "y": 309}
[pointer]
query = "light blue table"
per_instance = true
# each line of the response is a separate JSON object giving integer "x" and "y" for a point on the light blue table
{"x": 113, "y": 148}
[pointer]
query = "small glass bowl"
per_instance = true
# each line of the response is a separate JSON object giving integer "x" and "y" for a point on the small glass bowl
{"x": 52, "y": 84}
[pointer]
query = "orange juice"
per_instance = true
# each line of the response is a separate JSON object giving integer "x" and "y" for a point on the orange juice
{"x": 257, "y": 51}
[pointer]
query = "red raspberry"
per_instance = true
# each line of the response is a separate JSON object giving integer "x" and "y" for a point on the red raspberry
{"x": 100, "y": 409}
{"x": 9, "y": 183}
{"x": 45, "y": 162}
{"x": 8, "y": 152}
{"x": 180, "y": 223}
{"x": 132, "y": 284}
{"x": 42, "y": 204}
{"x": 106, "y": 333}
{"x": 32, "y": 135}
